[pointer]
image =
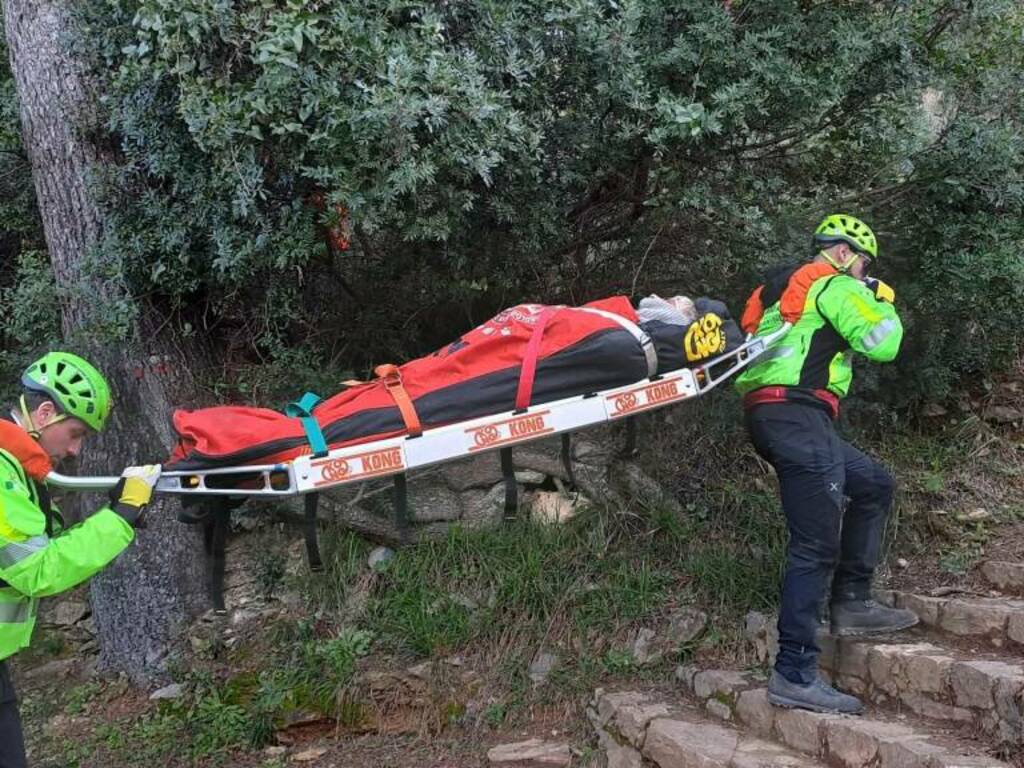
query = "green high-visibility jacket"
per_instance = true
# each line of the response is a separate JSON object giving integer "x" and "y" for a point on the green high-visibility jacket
{"x": 833, "y": 316}
{"x": 35, "y": 564}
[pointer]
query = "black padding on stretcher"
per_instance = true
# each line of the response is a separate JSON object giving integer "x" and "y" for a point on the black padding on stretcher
{"x": 312, "y": 501}
{"x": 629, "y": 449}
{"x": 567, "y": 457}
{"x": 215, "y": 536}
{"x": 508, "y": 472}
{"x": 401, "y": 500}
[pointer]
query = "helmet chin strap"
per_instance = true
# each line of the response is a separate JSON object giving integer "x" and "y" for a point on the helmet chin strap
{"x": 26, "y": 419}
{"x": 840, "y": 267}
{"x": 29, "y": 425}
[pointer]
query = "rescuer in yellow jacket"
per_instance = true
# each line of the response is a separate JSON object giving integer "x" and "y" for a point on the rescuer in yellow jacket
{"x": 65, "y": 399}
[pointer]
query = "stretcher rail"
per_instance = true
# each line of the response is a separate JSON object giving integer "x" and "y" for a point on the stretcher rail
{"x": 381, "y": 458}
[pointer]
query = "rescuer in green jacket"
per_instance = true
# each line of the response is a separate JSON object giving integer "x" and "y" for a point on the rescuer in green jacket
{"x": 65, "y": 400}
{"x": 791, "y": 398}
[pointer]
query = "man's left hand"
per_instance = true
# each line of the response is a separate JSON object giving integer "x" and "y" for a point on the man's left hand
{"x": 882, "y": 290}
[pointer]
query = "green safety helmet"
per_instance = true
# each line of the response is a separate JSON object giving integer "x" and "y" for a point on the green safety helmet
{"x": 74, "y": 385}
{"x": 840, "y": 228}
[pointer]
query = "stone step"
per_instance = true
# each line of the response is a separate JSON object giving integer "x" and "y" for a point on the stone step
{"x": 932, "y": 681}
{"x": 1004, "y": 576}
{"x": 839, "y": 741}
{"x": 998, "y": 622}
{"x": 637, "y": 730}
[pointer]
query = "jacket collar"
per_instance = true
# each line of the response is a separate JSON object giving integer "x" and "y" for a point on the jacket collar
{"x": 17, "y": 442}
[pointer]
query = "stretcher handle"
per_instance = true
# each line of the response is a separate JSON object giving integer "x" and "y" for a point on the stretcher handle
{"x": 76, "y": 483}
{"x": 753, "y": 348}
{"x": 184, "y": 481}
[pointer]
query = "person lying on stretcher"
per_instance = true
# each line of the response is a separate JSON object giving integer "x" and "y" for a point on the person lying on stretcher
{"x": 525, "y": 355}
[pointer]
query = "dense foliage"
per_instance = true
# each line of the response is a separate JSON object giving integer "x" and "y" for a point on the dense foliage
{"x": 320, "y": 186}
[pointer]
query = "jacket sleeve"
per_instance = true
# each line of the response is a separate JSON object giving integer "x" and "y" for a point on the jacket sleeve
{"x": 870, "y": 326}
{"x": 35, "y": 564}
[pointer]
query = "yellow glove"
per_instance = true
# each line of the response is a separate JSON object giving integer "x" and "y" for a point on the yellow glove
{"x": 882, "y": 290}
{"x": 134, "y": 491}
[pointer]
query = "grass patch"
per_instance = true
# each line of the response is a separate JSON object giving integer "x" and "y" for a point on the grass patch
{"x": 216, "y": 717}
{"x": 584, "y": 585}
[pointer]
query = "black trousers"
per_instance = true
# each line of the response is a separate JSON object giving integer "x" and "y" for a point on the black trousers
{"x": 12, "y": 742}
{"x": 831, "y": 544}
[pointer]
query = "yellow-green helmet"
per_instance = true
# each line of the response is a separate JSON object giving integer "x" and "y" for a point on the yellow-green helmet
{"x": 840, "y": 228}
{"x": 74, "y": 385}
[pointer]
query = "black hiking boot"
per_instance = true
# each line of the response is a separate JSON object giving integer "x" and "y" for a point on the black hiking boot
{"x": 867, "y": 617}
{"x": 816, "y": 697}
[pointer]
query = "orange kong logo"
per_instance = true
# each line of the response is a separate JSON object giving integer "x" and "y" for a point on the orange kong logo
{"x": 486, "y": 436}
{"x": 335, "y": 470}
{"x": 625, "y": 402}
{"x": 704, "y": 338}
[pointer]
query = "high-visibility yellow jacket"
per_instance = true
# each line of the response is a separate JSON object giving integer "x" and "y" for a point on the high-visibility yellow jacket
{"x": 37, "y": 558}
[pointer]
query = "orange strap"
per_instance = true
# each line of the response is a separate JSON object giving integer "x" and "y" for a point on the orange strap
{"x": 392, "y": 379}
{"x": 753, "y": 311}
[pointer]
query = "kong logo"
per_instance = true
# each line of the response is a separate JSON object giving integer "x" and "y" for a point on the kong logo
{"x": 626, "y": 402}
{"x": 337, "y": 469}
{"x": 361, "y": 465}
{"x": 509, "y": 431}
{"x": 653, "y": 394}
{"x": 704, "y": 338}
{"x": 486, "y": 436}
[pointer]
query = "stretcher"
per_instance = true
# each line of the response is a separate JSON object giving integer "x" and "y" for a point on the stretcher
{"x": 308, "y": 474}
{"x": 603, "y": 343}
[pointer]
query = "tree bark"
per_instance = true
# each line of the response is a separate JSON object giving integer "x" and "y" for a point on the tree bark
{"x": 139, "y": 602}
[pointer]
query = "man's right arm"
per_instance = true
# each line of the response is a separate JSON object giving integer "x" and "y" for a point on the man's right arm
{"x": 870, "y": 325}
{"x": 37, "y": 565}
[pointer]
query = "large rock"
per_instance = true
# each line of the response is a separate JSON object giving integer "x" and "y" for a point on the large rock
{"x": 679, "y": 744}
{"x": 972, "y": 684}
{"x": 434, "y": 502}
{"x": 928, "y": 674}
{"x": 172, "y": 691}
{"x": 543, "y": 664}
{"x": 801, "y": 730}
{"x": 686, "y": 625}
{"x": 854, "y": 744}
{"x": 761, "y": 631}
{"x": 70, "y": 612}
{"x": 721, "y": 683}
{"x": 555, "y": 507}
{"x": 631, "y": 720}
{"x": 618, "y": 755}
{"x": 753, "y": 709}
{"x": 534, "y": 753}
{"x": 1004, "y": 575}
{"x": 969, "y": 618}
{"x": 1015, "y": 628}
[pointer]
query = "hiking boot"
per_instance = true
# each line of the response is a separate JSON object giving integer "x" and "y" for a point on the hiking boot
{"x": 818, "y": 696}
{"x": 866, "y": 617}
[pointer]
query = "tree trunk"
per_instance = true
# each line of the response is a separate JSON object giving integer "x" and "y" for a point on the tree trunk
{"x": 139, "y": 602}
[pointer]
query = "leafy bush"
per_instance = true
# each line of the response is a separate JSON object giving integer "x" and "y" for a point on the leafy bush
{"x": 470, "y": 157}
{"x": 349, "y": 183}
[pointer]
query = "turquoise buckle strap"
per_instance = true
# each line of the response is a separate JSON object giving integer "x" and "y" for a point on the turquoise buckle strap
{"x": 302, "y": 409}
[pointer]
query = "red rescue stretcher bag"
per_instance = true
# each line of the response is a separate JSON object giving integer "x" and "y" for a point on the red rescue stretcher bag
{"x": 526, "y": 355}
